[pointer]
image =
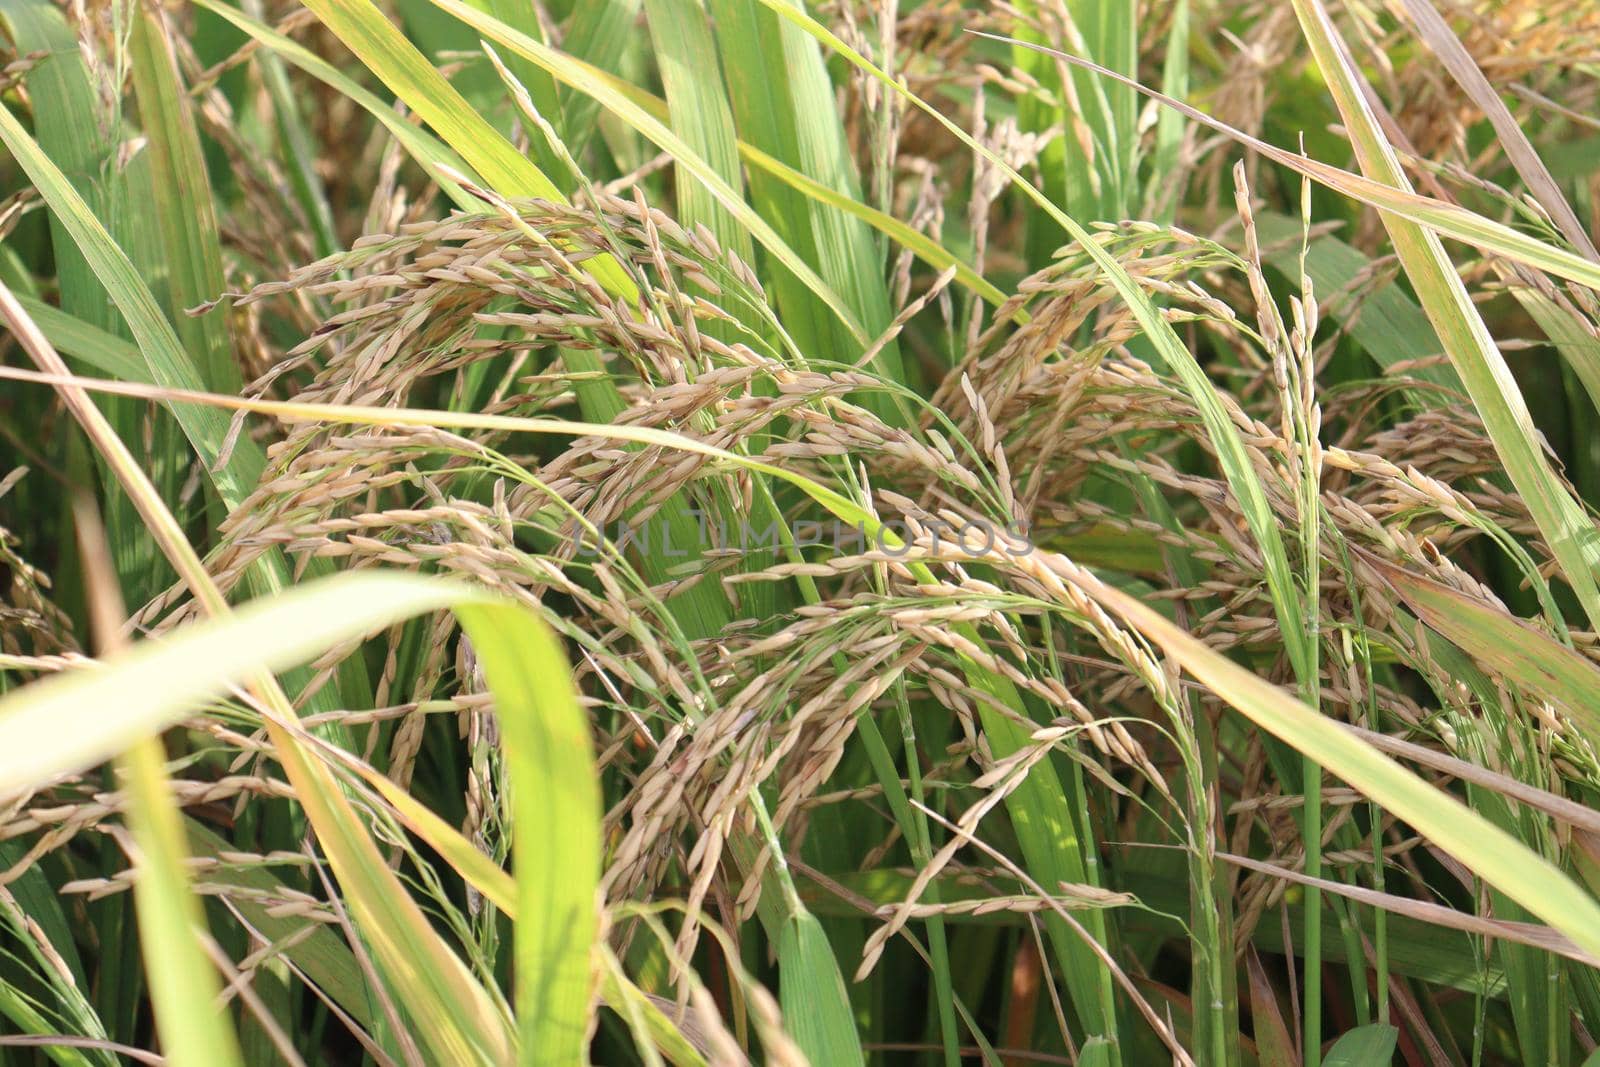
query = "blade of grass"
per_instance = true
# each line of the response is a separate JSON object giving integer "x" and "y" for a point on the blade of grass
{"x": 698, "y": 110}
{"x": 25, "y": 1015}
{"x": 1506, "y": 644}
{"x": 61, "y": 724}
{"x": 1364, "y": 1045}
{"x": 182, "y": 201}
{"x": 540, "y": 86}
{"x": 902, "y": 234}
{"x": 1214, "y": 983}
{"x": 1169, "y": 129}
{"x": 71, "y": 131}
{"x": 1571, "y": 337}
{"x": 552, "y": 772}
{"x": 316, "y": 952}
{"x": 106, "y": 352}
{"x": 1568, "y": 335}
{"x": 817, "y": 1017}
{"x": 1274, "y": 1046}
{"x": 1437, "y": 915}
{"x": 1085, "y": 161}
{"x": 183, "y": 983}
{"x": 157, "y": 343}
{"x": 1454, "y": 57}
{"x": 458, "y": 1021}
{"x": 1110, "y": 30}
{"x": 924, "y": 247}
{"x": 627, "y": 1000}
{"x": 598, "y": 34}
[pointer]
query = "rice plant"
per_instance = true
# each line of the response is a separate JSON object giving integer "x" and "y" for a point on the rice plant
{"x": 828, "y": 532}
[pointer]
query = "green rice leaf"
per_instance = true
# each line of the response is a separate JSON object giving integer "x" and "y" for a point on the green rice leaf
{"x": 816, "y": 1017}
{"x": 106, "y": 352}
{"x": 183, "y": 982}
{"x": 183, "y": 207}
{"x": 1364, "y": 1046}
{"x": 699, "y": 113}
{"x": 556, "y": 812}
{"x": 169, "y": 364}
{"x": 630, "y": 1002}
{"x": 783, "y": 101}
{"x": 316, "y": 950}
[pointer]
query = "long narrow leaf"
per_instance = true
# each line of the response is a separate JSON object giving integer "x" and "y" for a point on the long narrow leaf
{"x": 183, "y": 982}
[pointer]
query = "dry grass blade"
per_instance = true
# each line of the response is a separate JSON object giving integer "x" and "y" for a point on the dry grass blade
{"x": 1508, "y": 645}
{"x": 1436, "y": 33}
{"x": 1503, "y": 929}
{"x": 1557, "y": 807}
{"x": 1273, "y": 1044}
